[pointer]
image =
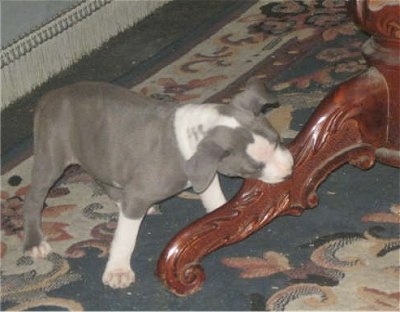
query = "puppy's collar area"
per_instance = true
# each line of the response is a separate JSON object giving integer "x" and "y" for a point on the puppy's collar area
{"x": 192, "y": 123}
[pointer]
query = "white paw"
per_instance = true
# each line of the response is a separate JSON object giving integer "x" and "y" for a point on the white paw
{"x": 40, "y": 251}
{"x": 154, "y": 210}
{"x": 118, "y": 277}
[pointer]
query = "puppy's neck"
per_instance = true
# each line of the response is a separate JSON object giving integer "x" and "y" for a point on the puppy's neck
{"x": 193, "y": 121}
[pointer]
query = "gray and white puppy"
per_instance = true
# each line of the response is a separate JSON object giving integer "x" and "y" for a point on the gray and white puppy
{"x": 143, "y": 151}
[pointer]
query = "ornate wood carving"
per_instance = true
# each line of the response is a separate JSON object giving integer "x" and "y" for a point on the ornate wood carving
{"x": 382, "y": 20}
{"x": 355, "y": 124}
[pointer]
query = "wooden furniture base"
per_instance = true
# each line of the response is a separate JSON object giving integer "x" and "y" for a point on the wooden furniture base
{"x": 356, "y": 123}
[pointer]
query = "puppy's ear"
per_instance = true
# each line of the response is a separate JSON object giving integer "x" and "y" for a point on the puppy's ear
{"x": 255, "y": 98}
{"x": 202, "y": 166}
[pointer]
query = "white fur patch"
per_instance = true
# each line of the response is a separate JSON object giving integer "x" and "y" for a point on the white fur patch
{"x": 213, "y": 198}
{"x": 261, "y": 149}
{"x": 192, "y": 121}
{"x": 118, "y": 272}
{"x": 278, "y": 160}
{"x": 40, "y": 251}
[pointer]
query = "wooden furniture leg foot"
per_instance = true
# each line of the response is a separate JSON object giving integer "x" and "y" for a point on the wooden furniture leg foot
{"x": 356, "y": 123}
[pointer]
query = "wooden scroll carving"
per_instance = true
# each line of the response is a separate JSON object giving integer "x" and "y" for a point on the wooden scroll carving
{"x": 356, "y": 123}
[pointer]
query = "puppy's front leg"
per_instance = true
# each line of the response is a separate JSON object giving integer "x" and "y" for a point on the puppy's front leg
{"x": 118, "y": 272}
{"x": 213, "y": 197}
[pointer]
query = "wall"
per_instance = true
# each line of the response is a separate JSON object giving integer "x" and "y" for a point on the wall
{"x": 19, "y": 17}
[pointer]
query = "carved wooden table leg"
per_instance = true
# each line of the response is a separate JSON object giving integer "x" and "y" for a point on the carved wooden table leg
{"x": 357, "y": 123}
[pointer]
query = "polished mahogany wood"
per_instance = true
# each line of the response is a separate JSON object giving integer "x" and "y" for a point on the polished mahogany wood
{"x": 357, "y": 123}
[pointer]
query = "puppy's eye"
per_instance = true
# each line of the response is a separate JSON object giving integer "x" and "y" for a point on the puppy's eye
{"x": 257, "y": 168}
{"x": 225, "y": 154}
{"x": 260, "y": 167}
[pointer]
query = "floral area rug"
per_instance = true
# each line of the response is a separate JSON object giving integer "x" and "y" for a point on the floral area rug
{"x": 343, "y": 255}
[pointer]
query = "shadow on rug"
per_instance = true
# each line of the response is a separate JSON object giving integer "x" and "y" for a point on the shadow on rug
{"x": 341, "y": 256}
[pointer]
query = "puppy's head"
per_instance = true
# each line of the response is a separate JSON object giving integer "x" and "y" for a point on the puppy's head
{"x": 251, "y": 150}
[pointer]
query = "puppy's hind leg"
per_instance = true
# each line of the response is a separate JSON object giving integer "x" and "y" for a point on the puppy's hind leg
{"x": 44, "y": 174}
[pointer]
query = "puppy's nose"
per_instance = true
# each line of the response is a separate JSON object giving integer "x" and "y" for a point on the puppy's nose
{"x": 288, "y": 176}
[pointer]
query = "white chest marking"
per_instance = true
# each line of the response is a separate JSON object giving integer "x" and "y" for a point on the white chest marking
{"x": 192, "y": 121}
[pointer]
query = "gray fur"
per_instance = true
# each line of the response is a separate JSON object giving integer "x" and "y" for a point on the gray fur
{"x": 126, "y": 142}
{"x": 84, "y": 123}
{"x": 222, "y": 150}
{"x": 255, "y": 97}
